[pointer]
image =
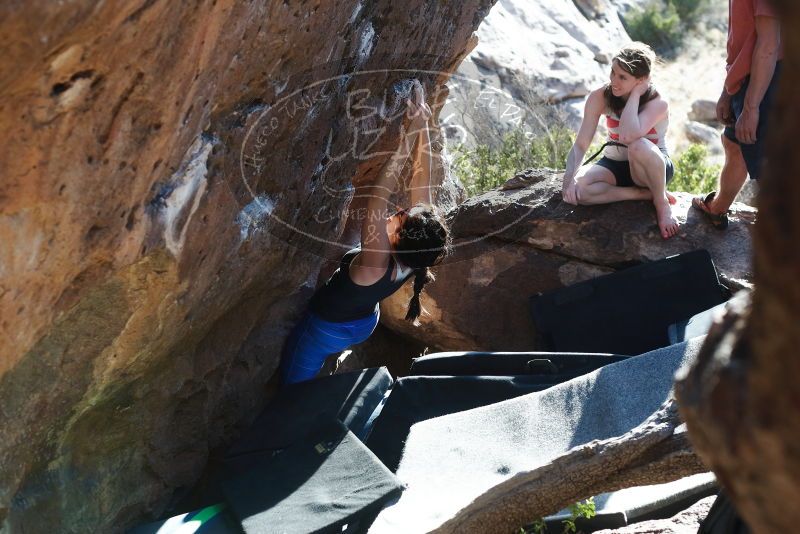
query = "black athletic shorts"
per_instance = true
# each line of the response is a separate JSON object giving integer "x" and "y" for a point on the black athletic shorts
{"x": 622, "y": 170}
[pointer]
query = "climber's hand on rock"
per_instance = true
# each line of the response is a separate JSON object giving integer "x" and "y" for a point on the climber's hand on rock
{"x": 569, "y": 192}
{"x": 418, "y": 114}
{"x": 418, "y": 109}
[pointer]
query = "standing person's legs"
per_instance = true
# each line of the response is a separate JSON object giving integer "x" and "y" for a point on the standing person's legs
{"x": 755, "y": 154}
{"x": 313, "y": 339}
{"x": 649, "y": 169}
{"x": 731, "y": 179}
{"x": 740, "y": 159}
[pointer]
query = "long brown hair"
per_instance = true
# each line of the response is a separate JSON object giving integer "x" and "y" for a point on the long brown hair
{"x": 637, "y": 59}
{"x": 424, "y": 241}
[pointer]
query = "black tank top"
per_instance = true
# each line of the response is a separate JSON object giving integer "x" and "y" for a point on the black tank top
{"x": 341, "y": 300}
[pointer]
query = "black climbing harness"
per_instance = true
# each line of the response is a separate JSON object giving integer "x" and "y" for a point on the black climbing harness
{"x": 608, "y": 143}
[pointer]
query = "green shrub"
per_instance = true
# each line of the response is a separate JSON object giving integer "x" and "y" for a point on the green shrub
{"x": 689, "y": 10}
{"x": 537, "y": 527}
{"x": 663, "y": 24}
{"x": 586, "y": 509}
{"x": 656, "y": 24}
{"x": 693, "y": 172}
{"x": 485, "y": 167}
{"x": 579, "y": 509}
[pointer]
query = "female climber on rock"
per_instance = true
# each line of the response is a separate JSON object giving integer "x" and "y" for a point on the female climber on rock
{"x": 635, "y": 163}
{"x": 394, "y": 247}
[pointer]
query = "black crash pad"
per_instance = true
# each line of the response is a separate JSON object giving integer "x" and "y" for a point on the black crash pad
{"x": 552, "y": 367}
{"x": 288, "y": 418}
{"x": 322, "y": 482}
{"x": 628, "y": 312}
{"x": 348, "y": 397}
{"x": 449, "y": 382}
{"x": 418, "y": 398}
{"x": 696, "y": 325}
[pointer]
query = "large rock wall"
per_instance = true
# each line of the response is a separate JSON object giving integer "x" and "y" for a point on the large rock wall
{"x": 565, "y": 46}
{"x": 162, "y": 181}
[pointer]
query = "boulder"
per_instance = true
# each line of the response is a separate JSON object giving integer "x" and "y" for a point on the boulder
{"x": 530, "y": 54}
{"x": 510, "y": 245}
{"x": 697, "y": 132}
{"x": 172, "y": 175}
{"x": 704, "y": 111}
{"x": 558, "y": 45}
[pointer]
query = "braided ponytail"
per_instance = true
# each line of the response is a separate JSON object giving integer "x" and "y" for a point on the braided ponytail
{"x": 421, "y": 277}
{"x": 424, "y": 241}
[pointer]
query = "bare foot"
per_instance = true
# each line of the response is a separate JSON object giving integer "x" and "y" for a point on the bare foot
{"x": 666, "y": 221}
{"x": 646, "y": 194}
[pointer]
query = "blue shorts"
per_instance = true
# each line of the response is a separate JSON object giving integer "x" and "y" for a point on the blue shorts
{"x": 754, "y": 155}
{"x": 313, "y": 339}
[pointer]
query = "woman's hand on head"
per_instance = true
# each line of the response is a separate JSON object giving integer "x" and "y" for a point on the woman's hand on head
{"x": 641, "y": 86}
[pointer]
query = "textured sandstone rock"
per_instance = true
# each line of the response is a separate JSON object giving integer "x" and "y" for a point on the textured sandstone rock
{"x": 171, "y": 177}
{"x": 510, "y": 245}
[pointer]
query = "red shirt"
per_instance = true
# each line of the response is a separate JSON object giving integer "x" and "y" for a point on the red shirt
{"x": 742, "y": 38}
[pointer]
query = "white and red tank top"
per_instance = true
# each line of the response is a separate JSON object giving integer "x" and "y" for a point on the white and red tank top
{"x": 657, "y": 135}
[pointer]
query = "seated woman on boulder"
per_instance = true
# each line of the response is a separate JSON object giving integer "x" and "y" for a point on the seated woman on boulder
{"x": 345, "y": 311}
{"x": 635, "y": 163}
